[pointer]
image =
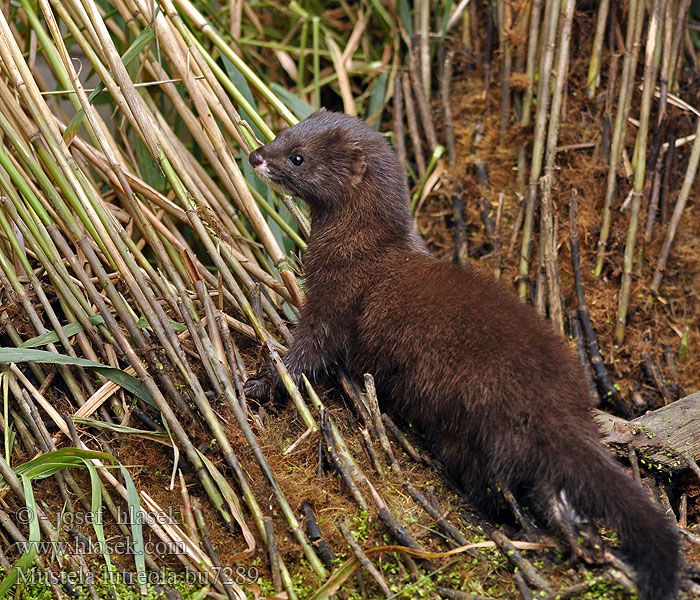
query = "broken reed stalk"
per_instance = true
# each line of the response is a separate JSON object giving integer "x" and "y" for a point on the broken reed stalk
{"x": 497, "y": 237}
{"x": 605, "y": 386}
{"x": 339, "y": 465}
{"x": 379, "y": 431}
{"x": 688, "y": 180}
{"x": 551, "y": 18}
{"x": 680, "y": 24}
{"x": 639, "y": 169}
{"x": 362, "y": 557}
{"x": 635, "y": 18}
{"x": 412, "y": 121}
{"x": 547, "y": 225}
{"x": 273, "y": 554}
{"x": 451, "y": 533}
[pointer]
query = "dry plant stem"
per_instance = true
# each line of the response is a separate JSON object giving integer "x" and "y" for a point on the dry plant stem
{"x": 453, "y": 535}
{"x": 639, "y": 171}
{"x": 497, "y": 242}
{"x": 413, "y": 125}
{"x": 379, "y": 430}
{"x": 654, "y": 199}
{"x": 532, "y": 39}
{"x": 338, "y": 441}
{"x": 519, "y": 562}
{"x": 399, "y": 141}
{"x": 273, "y": 555}
{"x": 522, "y": 587}
{"x": 211, "y": 552}
{"x": 457, "y": 595}
{"x": 401, "y": 439}
{"x": 576, "y": 590}
{"x": 550, "y": 249}
{"x": 680, "y": 24}
{"x": 634, "y": 31}
{"x": 516, "y": 227}
{"x": 461, "y": 254}
{"x": 551, "y": 18}
{"x": 578, "y": 339}
{"x": 598, "y": 38}
{"x": 504, "y": 23}
{"x": 337, "y": 462}
{"x": 447, "y": 104}
{"x": 220, "y": 373}
{"x": 688, "y": 181}
{"x": 400, "y": 534}
{"x": 324, "y": 550}
{"x": 362, "y": 557}
{"x": 371, "y": 454}
{"x": 423, "y": 110}
{"x": 424, "y": 33}
{"x": 607, "y": 390}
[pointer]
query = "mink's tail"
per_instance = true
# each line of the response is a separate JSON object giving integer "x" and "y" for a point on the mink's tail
{"x": 596, "y": 486}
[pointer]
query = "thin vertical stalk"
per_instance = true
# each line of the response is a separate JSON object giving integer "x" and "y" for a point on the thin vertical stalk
{"x": 550, "y": 250}
{"x": 316, "y": 44}
{"x": 532, "y": 45}
{"x": 639, "y": 170}
{"x": 424, "y": 33}
{"x": 504, "y": 24}
{"x": 551, "y": 18}
{"x": 596, "y": 51}
{"x": 634, "y": 31}
{"x": 688, "y": 182}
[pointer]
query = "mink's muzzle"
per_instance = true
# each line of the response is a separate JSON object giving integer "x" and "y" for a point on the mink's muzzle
{"x": 255, "y": 158}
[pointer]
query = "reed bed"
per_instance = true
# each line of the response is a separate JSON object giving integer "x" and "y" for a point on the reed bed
{"x": 145, "y": 273}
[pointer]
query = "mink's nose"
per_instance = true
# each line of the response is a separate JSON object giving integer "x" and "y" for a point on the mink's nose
{"x": 255, "y": 158}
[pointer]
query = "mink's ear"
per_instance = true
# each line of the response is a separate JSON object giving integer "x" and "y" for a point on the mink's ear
{"x": 358, "y": 163}
{"x": 317, "y": 113}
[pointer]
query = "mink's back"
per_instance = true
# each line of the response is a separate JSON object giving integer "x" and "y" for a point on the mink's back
{"x": 456, "y": 353}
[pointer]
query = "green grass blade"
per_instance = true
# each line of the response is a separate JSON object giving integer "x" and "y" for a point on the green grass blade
{"x": 128, "y": 382}
{"x": 136, "y": 529}
{"x": 51, "y": 337}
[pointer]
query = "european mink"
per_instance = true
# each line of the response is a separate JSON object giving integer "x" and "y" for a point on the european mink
{"x": 496, "y": 392}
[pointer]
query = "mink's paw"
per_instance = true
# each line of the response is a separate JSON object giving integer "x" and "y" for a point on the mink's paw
{"x": 263, "y": 386}
{"x": 257, "y": 388}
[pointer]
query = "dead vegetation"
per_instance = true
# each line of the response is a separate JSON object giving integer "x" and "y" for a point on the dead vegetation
{"x": 138, "y": 236}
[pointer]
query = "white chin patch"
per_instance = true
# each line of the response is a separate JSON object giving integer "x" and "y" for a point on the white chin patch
{"x": 263, "y": 171}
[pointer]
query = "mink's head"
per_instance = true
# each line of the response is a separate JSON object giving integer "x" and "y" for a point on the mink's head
{"x": 329, "y": 160}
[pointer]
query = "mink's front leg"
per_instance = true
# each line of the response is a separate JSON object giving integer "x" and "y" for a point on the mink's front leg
{"x": 314, "y": 349}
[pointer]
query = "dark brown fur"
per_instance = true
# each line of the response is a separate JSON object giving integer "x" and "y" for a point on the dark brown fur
{"x": 496, "y": 392}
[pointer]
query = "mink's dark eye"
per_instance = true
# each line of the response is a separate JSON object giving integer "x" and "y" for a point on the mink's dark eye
{"x": 296, "y": 160}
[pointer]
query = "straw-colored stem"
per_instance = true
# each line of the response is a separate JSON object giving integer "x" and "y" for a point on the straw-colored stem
{"x": 634, "y": 29}
{"x": 531, "y": 61}
{"x": 639, "y": 170}
{"x": 688, "y": 181}
{"x": 551, "y": 18}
